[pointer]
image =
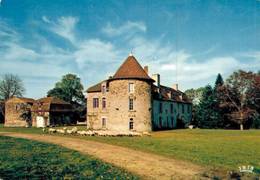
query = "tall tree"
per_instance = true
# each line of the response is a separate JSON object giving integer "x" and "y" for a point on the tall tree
{"x": 218, "y": 84}
{"x": 69, "y": 89}
{"x": 207, "y": 115}
{"x": 219, "y": 81}
{"x": 11, "y": 85}
{"x": 235, "y": 96}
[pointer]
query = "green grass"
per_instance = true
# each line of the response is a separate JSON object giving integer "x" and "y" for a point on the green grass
{"x": 25, "y": 159}
{"x": 217, "y": 148}
{"x": 227, "y": 149}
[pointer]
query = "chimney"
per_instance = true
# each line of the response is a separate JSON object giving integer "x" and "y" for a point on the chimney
{"x": 175, "y": 87}
{"x": 146, "y": 69}
{"x": 156, "y": 77}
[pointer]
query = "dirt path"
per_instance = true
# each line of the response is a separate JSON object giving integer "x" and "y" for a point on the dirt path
{"x": 148, "y": 166}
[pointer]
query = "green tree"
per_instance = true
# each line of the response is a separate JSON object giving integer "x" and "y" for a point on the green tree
{"x": 219, "y": 81}
{"x": 207, "y": 115}
{"x": 221, "y": 111}
{"x": 69, "y": 89}
{"x": 194, "y": 95}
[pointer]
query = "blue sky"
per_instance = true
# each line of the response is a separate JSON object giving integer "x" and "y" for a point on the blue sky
{"x": 186, "y": 41}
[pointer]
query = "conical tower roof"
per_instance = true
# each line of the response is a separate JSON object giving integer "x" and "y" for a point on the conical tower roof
{"x": 131, "y": 69}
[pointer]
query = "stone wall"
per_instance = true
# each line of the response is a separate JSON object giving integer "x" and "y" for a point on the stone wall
{"x": 13, "y": 112}
{"x": 117, "y": 111}
{"x": 94, "y": 115}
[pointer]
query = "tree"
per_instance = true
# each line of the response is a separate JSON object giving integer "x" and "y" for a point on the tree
{"x": 68, "y": 89}
{"x": 219, "y": 81}
{"x": 194, "y": 95}
{"x": 218, "y": 84}
{"x": 11, "y": 85}
{"x": 253, "y": 100}
{"x": 207, "y": 115}
{"x": 235, "y": 96}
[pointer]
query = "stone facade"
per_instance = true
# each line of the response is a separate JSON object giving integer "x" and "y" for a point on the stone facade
{"x": 132, "y": 102}
{"x": 14, "y": 108}
{"x": 117, "y": 110}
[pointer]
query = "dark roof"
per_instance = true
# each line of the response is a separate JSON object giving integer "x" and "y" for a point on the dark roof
{"x": 52, "y": 100}
{"x": 95, "y": 88}
{"x": 44, "y": 104}
{"x": 169, "y": 94}
{"x": 131, "y": 69}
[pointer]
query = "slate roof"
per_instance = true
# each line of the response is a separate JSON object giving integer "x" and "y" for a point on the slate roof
{"x": 131, "y": 69}
{"x": 95, "y": 88}
{"x": 169, "y": 94}
{"x": 52, "y": 100}
{"x": 44, "y": 104}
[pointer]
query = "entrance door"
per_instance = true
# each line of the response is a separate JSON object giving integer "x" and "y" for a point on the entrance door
{"x": 40, "y": 121}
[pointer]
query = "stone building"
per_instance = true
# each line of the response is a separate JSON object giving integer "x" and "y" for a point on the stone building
{"x": 51, "y": 111}
{"x": 132, "y": 100}
{"x": 14, "y": 109}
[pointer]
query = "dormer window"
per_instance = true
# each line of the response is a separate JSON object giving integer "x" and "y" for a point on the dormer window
{"x": 103, "y": 89}
{"x": 131, "y": 88}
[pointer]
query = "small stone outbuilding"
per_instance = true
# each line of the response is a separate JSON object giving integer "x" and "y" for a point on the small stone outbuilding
{"x": 51, "y": 111}
{"x": 14, "y": 109}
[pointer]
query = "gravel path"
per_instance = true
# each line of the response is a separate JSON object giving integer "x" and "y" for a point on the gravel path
{"x": 148, "y": 166}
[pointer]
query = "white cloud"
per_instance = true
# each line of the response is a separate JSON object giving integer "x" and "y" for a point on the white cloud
{"x": 129, "y": 27}
{"x": 95, "y": 50}
{"x": 190, "y": 71}
{"x": 64, "y": 26}
{"x": 94, "y": 59}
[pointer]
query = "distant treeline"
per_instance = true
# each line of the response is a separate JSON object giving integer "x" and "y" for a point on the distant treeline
{"x": 230, "y": 104}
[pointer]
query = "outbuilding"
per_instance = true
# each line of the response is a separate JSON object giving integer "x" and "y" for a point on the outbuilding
{"x": 51, "y": 111}
{"x": 15, "y": 108}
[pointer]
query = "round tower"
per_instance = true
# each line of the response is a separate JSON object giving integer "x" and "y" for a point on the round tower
{"x": 130, "y": 103}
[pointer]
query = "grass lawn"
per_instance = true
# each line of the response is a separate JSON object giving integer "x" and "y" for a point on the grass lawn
{"x": 226, "y": 149}
{"x": 25, "y": 159}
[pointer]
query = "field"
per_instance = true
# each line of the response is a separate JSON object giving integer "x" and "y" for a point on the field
{"x": 225, "y": 149}
{"x": 25, "y": 159}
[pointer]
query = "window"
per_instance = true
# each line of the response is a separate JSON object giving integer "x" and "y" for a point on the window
{"x": 160, "y": 122}
{"x": 160, "y": 107}
{"x": 131, "y": 104}
{"x": 103, "y": 89}
{"x": 95, "y": 102}
{"x": 183, "y": 108}
{"x": 171, "y": 108}
{"x": 172, "y": 119}
{"x": 131, "y": 88}
{"x": 103, "y": 103}
{"x": 104, "y": 122}
{"x": 131, "y": 124}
